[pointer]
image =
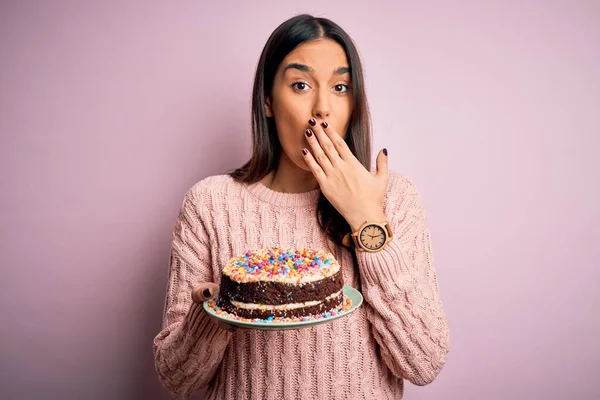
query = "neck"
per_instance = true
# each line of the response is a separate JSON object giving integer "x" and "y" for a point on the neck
{"x": 289, "y": 178}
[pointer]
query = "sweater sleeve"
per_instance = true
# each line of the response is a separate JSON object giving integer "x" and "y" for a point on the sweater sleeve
{"x": 399, "y": 284}
{"x": 190, "y": 346}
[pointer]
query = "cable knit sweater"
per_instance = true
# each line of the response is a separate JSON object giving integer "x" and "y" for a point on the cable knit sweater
{"x": 400, "y": 331}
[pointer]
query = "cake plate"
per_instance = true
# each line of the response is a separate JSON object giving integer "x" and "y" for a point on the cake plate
{"x": 354, "y": 295}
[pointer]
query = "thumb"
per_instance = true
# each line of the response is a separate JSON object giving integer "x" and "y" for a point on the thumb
{"x": 204, "y": 291}
{"x": 382, "y": 163}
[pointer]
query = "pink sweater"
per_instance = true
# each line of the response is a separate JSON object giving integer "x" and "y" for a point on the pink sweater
{"x": 400, "y": 331}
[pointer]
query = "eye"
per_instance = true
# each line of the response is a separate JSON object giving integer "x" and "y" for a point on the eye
{"x": 300, "y": 86}
{"x": 341, "y": 88}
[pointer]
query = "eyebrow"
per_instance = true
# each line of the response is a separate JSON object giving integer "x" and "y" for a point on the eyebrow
{"x": 306, "y": 68}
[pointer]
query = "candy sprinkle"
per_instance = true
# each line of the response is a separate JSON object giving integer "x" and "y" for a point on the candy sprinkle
{"x": 281, "y": 265}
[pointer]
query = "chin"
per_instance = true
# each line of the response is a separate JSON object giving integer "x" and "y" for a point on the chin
{"x": 303, "y": 165}
{"x": 300, "y": 163}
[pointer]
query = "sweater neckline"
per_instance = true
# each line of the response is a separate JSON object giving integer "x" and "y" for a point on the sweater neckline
{"x": 271, "y": 196}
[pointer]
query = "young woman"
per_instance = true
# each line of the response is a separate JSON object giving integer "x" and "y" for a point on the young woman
{"x": 308, "y": 184}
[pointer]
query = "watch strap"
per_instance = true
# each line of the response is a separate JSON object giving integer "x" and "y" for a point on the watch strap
{"x": 347, "y": 240}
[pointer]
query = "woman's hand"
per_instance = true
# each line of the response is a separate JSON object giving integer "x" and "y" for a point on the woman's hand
{"x": 355, "y": 192}
{"x": 206, "y": 291}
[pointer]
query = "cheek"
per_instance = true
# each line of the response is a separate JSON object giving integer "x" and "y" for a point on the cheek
{"x": 348, "y": 108}
{"x": 292, "y": 142}
{"x": 290, "y": 124}
{"x": 291, "y": 111}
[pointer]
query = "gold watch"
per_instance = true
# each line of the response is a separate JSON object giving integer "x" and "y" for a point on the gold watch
{"x": 371, "y": 236}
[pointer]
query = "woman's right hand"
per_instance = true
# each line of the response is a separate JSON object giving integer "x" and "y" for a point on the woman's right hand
{"x": 206, "y": 291}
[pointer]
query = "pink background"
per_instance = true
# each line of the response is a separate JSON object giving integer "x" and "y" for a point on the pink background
{"x": 109, "y": 112}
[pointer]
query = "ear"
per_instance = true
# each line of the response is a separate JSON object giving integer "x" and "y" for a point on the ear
{"x": 268, "y": 109}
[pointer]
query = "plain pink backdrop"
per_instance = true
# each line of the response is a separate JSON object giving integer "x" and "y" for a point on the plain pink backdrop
{"x": 110, "y": 111}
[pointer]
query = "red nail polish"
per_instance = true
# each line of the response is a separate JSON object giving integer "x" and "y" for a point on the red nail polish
{"x": 312, "y": 122}
{"x": 304, "y": 151}
{"x": 324, "y": 124}
{"x": 385, "y": 152}
{"x": 308, "y": 132}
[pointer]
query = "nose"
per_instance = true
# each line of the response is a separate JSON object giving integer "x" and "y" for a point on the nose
{"x": 322, "y": 109}
{"x": 321, "y": 114}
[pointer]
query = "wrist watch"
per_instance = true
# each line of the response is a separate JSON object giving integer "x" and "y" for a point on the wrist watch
{"x": 371, "y": 237}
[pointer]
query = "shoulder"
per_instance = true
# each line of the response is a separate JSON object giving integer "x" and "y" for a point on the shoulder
{"x": 400, "y": 183}
{"x": 214, "y": 184}
{"x": 402, "y": 193}
{"x": 210, "y": 190}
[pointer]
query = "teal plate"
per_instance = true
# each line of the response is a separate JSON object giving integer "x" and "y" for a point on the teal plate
{"x": 355, "y": 297}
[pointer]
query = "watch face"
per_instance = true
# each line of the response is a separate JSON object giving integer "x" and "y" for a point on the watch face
{"x": 373, "y": 237}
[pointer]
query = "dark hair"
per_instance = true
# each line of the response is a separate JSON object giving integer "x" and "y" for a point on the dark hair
{"x": 266, "y": 149}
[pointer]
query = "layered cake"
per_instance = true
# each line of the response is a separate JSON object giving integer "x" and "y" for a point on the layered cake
{"x": 286, "y": 283}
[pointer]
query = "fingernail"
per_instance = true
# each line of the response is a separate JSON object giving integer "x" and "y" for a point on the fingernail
{"x": 206, "y": 292}
{"x": 308, "y": 132}
{"x": 304, "y": 151}
{"x": 385, "y": 152}
{"x": 324, "y": 124}
{"x": 312, "y": 122}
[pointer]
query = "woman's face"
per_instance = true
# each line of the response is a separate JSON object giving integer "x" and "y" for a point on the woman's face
{"x": 313, "y": 81}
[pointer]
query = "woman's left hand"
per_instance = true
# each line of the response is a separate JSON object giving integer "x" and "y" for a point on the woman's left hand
{"x": 353, "y": 190}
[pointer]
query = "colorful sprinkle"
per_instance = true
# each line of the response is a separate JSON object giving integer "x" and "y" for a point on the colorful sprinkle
{"x": 282, "y": 265}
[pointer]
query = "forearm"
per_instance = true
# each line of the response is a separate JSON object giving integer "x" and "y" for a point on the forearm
{"x": 405, "y": 309}
{"x": 187, "y": 354}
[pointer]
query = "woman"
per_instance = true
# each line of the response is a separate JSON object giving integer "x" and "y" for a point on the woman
{"x": 307, "y": 185}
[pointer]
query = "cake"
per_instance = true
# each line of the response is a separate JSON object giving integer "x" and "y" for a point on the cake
{"x": 281, "y": 283}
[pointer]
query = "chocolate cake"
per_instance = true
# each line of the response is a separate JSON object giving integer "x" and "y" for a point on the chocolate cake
{"x": 275, "y": 282}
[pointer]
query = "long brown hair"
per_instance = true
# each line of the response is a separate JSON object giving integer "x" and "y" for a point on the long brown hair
{"x": 266, "y": 149}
